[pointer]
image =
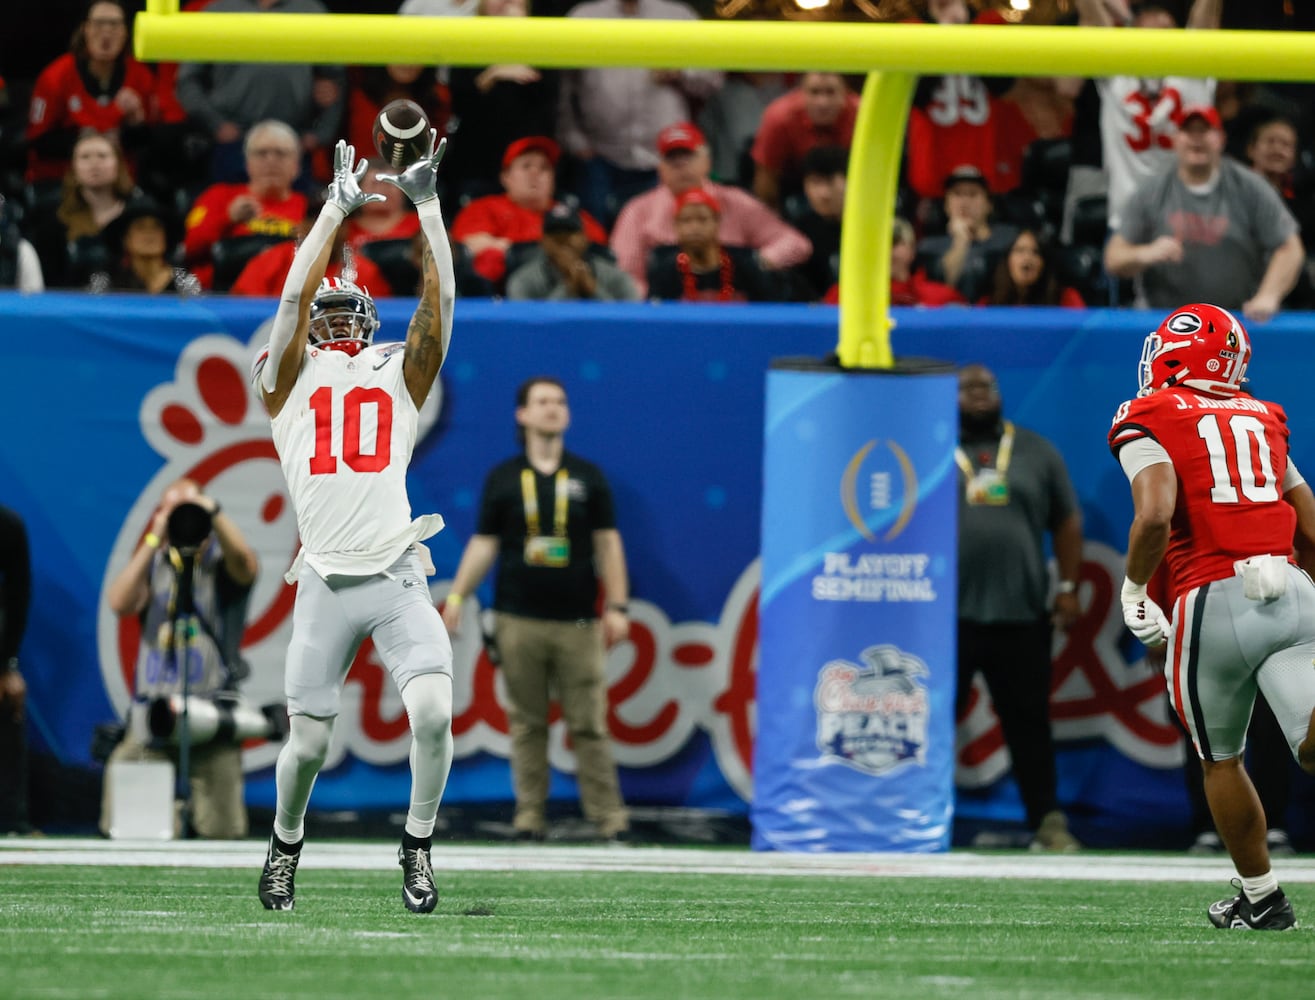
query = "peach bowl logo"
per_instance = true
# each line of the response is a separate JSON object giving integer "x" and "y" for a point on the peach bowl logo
{"x": 873, "y": 717}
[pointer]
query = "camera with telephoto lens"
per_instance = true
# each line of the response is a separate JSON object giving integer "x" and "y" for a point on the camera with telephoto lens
{"x": 189, "y": 525}
{"x": 223, "y": 718}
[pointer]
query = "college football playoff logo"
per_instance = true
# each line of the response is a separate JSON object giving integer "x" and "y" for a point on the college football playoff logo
{"x": 878, "y": 481}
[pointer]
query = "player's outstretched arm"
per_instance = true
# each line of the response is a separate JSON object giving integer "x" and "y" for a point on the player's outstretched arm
{"x": 431, "y": 326}
{"x": 287, "y": 342}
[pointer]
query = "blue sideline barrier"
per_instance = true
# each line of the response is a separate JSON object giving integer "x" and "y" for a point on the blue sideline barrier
{"x": 106, "y": 399}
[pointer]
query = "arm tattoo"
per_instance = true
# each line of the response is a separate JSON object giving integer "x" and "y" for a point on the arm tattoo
{"x": 424, "y": 350}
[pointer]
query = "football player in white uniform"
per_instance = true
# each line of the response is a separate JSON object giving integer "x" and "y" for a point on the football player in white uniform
{"x": 344, "y": 414}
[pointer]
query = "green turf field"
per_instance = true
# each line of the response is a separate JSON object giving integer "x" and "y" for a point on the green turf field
{"x": 87, "y": 931}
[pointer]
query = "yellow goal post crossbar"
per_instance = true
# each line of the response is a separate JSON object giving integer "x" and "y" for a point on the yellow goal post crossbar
{"x": 890, "y": 54}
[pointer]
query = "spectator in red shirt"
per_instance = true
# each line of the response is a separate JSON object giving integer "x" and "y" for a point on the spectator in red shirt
{"x": 265, "y": 273}
{"x": 489, "y": 226}
{"x": 648, "y": 219}
{"x": 819, "y": 112}
{"x": 908, "y": 287}
{"x": 956, "y": 119}
{"x": 96, "y": 85}
{"x": 390, "y": 219}
{"x": 1025, "y": 277}
{"x": 266, "y": 205}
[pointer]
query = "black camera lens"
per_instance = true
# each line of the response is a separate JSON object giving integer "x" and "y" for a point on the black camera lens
{"x": 189, "y": 525}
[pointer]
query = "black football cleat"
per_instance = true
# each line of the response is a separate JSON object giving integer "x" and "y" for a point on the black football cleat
{"x": 418, "y": 891}
{"x": 277, "y": 890}
{"x": 1273, "y": 913}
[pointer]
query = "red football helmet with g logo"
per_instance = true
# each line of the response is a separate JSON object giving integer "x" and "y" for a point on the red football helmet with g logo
{"x": 1199, "y": 347}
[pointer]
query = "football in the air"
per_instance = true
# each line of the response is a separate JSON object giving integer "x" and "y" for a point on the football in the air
{"x": 401, "y": 133}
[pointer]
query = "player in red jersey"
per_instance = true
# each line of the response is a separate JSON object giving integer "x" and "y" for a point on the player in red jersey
{"x": 1216, "y": 497}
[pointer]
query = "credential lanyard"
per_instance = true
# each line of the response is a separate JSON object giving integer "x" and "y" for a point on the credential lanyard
{"x": 530, "y": 497}
{"x": 1002, "y": 456}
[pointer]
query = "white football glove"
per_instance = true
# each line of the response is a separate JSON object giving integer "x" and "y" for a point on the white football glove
{"x": 1143, "y": 616}
{"x": 344, "y": 190}
{"x": 419, "y": 181}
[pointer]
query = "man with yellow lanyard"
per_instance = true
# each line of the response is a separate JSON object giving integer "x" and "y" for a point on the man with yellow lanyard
{"x": 1015, "y": 490}
{"x": 546, "y": 519}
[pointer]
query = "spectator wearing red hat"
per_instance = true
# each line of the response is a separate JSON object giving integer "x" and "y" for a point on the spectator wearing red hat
{"x": 488, "y": 227}
{"x": 1207, "y": 230}
{"x": 609, "y": 118}
{"x": 820, "y": 111}
{"x": 698, "y": 268}
{"x": 648, "y": 220}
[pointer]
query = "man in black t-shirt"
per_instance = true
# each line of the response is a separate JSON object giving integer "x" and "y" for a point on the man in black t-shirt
{"x": 546, "y": 519}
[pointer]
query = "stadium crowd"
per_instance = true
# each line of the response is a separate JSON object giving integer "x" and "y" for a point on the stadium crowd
{"x": 696, "y": 185}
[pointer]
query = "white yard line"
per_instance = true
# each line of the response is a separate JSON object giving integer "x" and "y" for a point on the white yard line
{"x": 381, "y": 856}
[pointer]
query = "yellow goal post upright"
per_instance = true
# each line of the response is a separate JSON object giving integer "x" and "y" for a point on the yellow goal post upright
{"x": 891, "y": 56}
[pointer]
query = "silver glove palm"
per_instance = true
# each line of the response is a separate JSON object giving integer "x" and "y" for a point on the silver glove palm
{"x": 419, "y": 181}
{"x": 344, "y": 190}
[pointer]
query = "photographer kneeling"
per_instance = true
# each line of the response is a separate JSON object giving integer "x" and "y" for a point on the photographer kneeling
{"x": 190, "y": 593}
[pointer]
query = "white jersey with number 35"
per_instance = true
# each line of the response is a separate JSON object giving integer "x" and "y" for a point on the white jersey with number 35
{"x": 344, "y": 439}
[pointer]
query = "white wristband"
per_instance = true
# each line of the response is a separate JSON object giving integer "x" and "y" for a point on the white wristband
{"x": 1132, "y": 592}
{"x": 430, "y": 209}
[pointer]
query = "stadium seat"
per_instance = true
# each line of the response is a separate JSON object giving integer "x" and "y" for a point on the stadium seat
{"x": 86, "y": 256}
{"x": 1024, "y": 210}
{"x": 231, "y": 255}
{"x": 1045, "y": 165}
{"x": 1082, "y": 267}
{"x": 1090, "y": 220}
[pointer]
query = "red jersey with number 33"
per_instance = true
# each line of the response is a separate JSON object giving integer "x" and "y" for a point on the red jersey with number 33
{"x": 1230, "y": 454}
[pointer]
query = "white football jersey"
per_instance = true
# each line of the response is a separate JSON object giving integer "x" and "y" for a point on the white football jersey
{"x": 1138, "y": 119}
{"x": 344, "y": 438}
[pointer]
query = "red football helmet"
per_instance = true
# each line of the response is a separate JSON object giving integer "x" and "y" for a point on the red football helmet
{"x": 343, "y": 316}
{"x": 1198, "y": 346}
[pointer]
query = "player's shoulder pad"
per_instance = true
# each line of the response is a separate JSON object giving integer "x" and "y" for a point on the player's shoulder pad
{"x": 1133, "y": 420}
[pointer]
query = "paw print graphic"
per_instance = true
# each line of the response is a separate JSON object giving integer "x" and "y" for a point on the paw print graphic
{"x": 207, "y": 424}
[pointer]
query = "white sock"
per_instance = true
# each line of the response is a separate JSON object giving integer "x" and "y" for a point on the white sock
{"x": 298, "y": 766}
{"x": 428, "y": 701}
{"x": 1257, "y": 887}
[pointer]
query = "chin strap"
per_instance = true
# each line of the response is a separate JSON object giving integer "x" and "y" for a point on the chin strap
{"x": 431, "y": 223}
{"x": 287, "y": 318}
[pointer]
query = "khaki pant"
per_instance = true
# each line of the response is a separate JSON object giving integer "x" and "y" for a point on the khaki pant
{"x": 543, "y": 659}
{"x": 219, "y": 809}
